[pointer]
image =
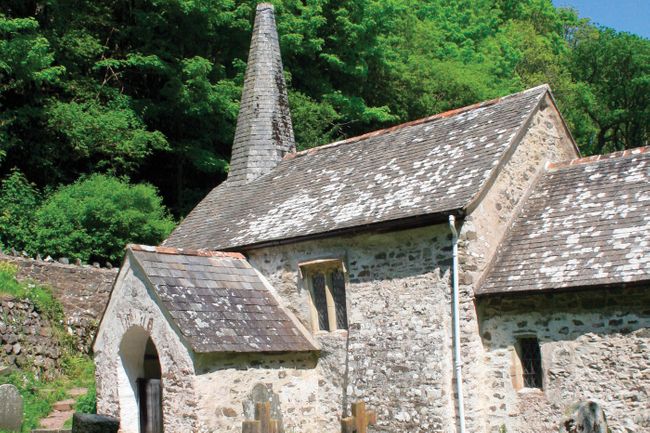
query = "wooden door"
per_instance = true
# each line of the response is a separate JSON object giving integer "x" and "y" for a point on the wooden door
{"x": 150, "y": 391}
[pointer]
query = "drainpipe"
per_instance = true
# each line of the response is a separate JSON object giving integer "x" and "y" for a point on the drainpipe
{"x": 457, "y": 360}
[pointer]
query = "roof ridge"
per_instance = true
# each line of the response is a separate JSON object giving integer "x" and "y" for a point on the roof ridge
{"x": 442, "y": 115}
{"x": 183, "y": 251}
{"x": 597, "y": 158}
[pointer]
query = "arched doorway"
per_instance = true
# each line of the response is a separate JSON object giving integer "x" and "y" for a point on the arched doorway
{"x": 150, "y": 391}
{"x": 139, "y": 383}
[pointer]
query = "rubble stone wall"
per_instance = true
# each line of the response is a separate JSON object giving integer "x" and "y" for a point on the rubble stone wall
{"x": 594, "y": 345}
{"x": 82, "y": 290}
{"x": 230, "y": 385}
{"x": 26, "y": 339}
{"x": 396, "y": 355}
{"x": 483, "y": 230}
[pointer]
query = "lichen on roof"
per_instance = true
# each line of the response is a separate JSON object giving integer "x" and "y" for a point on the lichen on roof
{"x": 587, "y": 223}
{"x": 435, "y": 165}
{"x": 219, "y": 302}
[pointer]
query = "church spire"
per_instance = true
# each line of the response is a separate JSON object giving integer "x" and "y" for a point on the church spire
{"x": 264, "y": 133}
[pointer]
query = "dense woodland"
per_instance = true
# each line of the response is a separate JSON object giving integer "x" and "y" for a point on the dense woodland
{"x": 146, "y": 91}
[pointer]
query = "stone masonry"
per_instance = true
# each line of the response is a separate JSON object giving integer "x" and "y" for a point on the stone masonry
{"x": 595, "y": 345}
{"x": 82, "y": 290}
{"x": 397, "y": 346}
{"x": 26, "y": 339}
{"x": 264, "y": 133}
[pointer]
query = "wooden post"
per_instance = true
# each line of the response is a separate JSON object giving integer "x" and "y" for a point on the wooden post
{"x": 359, "y": 415}
{"x": 372, "y": 417}
{"x": 347, "y": 425}
{"x": 263, "y": 415}
{"x": 360, "y": 419}
{"x": 251, "y": 427}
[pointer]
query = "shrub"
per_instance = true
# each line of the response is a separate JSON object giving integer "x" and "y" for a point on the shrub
{"x": 18, "y": 202}
{"x": 94, "y": 218}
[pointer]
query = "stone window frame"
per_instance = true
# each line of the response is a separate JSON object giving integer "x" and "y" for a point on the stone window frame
{"x": 517, "y": 368}
{"x": 326, "y": 266}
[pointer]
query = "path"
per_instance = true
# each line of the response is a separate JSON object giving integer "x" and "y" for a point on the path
{"x": 61, "y": 412}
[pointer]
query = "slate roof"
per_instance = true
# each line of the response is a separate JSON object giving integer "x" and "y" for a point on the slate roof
{"x": 427, "y": 167}
{"x": 219, "y": 302}
{"x": 587, "y": 223}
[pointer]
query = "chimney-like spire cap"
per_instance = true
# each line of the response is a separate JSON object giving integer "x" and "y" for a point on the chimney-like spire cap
{"x": 264, "y": 133}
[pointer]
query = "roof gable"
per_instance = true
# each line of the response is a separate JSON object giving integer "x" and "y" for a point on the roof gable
{"x": 219, "y": 302}
{"x": 423, "y": 168}
{"x": 587, "y": 223}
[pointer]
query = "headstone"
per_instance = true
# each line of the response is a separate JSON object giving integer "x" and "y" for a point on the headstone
{"x": 262, "y": 393}
{"x": 586, "y": 417}
{"x": 86, "y": 423}
{"x": 11, "y": 408}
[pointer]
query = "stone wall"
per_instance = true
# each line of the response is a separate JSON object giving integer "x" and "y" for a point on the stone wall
{"x": 82, "y": 290}
{"x": 482, "y": 231}
{"x": 26, "y": 339}
{"x": 396, "y": 354}
{"x": 230, "y": 385}
{"x": 594, "y": 344}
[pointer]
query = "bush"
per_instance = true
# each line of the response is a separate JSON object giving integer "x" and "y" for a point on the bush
{"x": 18, "y": 202}
{"x": 94, "y": 218}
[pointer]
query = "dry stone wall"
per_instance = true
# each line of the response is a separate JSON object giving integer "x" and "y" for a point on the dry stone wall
{"x": 26, "y": 339}
{"x": 595, "y": 345}
{"x": 82, "y": 290}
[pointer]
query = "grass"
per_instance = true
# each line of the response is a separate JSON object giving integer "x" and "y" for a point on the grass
{"x": 78, "y": 370}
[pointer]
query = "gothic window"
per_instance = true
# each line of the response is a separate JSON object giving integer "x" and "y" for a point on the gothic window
{"x": 531, "y": 362}
{"x": 325, "y": 280}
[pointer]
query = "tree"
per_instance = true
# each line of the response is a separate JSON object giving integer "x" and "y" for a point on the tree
{"x": 19, "y": 199}
{"x": 94, "y": 218}
{"x": 612, "y": 72}
{"x": 150, "y": 89}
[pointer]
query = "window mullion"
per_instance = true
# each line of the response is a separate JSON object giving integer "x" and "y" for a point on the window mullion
{"x": 331, "y": 309}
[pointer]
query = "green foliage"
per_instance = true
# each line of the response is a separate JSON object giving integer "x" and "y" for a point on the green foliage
{"x": 87, "y": 403}
{"x": 150, "y": 89}
{"x": 39, "y": 395}
{"x": 111, "y": 137}
{"x": 44, "y": 301}
{"x": 96, "y": 217}
{"x": 78, "y": 370}
{"x": 612, "y": 72}
{"x": 19, "y": 200}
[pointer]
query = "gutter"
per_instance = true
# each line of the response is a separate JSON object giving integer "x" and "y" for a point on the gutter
{"x": 456, "y": 312}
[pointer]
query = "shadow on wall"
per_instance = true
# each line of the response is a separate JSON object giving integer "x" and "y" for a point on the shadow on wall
{"x": 565, "y": 316}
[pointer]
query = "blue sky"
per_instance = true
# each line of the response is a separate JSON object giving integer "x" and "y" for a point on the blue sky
{"x": 624, "y": 15}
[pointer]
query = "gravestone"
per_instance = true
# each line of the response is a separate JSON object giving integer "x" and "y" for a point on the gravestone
{"x": 11, "y": 408}
{"x": 585, "y": 417}
{"x": 262, "y": 393}
{"x": 86, "y": 423}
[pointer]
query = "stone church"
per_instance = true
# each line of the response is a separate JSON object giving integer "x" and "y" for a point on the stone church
{"x": 463, "y": 272}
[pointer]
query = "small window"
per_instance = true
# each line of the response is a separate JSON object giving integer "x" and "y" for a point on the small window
{"x": 531, "y": 362}
{"x": 325, "y": 280}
